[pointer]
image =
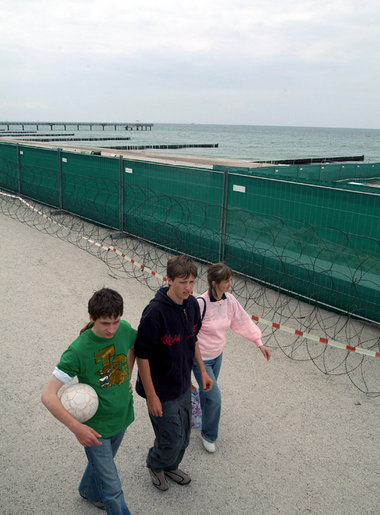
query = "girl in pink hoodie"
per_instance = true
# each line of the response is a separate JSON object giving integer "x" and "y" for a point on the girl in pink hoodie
{"x": 220, "y": 311}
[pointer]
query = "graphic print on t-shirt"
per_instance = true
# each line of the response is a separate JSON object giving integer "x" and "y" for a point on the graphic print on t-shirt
{"x": 114, "y": 368}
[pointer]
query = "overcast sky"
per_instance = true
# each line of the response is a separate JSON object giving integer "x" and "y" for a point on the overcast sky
{"x": 257, "y": 62}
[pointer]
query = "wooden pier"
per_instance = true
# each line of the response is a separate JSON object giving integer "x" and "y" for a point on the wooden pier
{"x": 138, "y": 126}
{"x": 32, "y": 134}
{"x": 165, "y": 147}
{"x": 312, "y": 160}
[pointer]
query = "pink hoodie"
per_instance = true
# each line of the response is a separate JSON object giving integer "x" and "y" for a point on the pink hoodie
{"x": 222, "y": 315}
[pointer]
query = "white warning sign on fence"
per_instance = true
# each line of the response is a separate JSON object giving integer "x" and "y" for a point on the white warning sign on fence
{"x": 240, "y": 189}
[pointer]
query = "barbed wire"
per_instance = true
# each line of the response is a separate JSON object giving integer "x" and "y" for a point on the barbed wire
{"x": 129, "y": 256}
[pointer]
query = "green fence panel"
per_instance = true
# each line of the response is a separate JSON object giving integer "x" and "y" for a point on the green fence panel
{"x": 306, "y": 239}
{"x": 329, "y": 173}
{"x": 364, "y": 173}
{"x": 8, "y": 167}
{"x": 350, "y": 289}
{"x": 362, "y": 170}
{"x": 290, "y": 172}
{"x": 369, "y": 170}
{"x": 325, "y": 172}
{"x": 352, "y": 212}
{"x": 39, "y": 174}
{"x": 350, "y": 171}
{"x": 177, "y": 207}
{"x": 347, "y": 171}
{"x": 90, "y": 187}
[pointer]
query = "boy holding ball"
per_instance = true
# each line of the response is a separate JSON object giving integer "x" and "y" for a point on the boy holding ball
{"x": 103, "y": 357}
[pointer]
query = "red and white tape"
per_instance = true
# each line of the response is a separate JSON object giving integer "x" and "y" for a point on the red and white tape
{"x": 319, "y": 339}
{"x": 149, "y": 271}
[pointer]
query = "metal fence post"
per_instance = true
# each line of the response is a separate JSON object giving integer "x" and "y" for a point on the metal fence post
{"x": 223, "y": 216}
{"x": 121, "y": 194}
{"x": 18, "y": 168}
{"x": 59, "y": 173}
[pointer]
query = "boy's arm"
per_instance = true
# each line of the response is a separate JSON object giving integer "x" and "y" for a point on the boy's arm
{"x": 131, "y": 362}
{"x": 207, "y": 382}
{"x": 152, "y": 400}
{"x": 85, "y": 434}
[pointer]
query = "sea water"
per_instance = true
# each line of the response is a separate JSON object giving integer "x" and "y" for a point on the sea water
{"x": 250, "y": 142}
{"x": 260, "y": 143}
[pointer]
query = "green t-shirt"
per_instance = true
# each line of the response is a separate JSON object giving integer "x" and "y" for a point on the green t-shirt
{"x": 103, "y": 364}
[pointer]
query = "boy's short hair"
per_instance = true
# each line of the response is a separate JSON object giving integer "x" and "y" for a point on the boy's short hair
{"x": 105, "y": 303}
{"x": 181, "y": 266}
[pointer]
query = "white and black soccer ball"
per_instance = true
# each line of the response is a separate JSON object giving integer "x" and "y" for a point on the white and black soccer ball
{"x": 80, "y": 400}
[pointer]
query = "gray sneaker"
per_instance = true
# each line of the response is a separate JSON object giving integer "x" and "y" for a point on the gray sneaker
{"x": 179, "y": 476}
{"x": 98, "y": 504}
{"x": 159, "y": 479}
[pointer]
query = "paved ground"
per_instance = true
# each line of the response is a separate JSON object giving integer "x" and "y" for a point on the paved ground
{"x": 292, "y": 440}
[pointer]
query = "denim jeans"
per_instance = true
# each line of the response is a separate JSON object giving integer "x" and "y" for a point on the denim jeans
{"x": 210, "y": 401}
{"x": 172, "y": 432}
{"x": 100, "y": 481}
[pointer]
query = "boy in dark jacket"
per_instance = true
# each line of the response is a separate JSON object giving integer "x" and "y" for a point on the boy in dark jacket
{"x": 166, "y": 347}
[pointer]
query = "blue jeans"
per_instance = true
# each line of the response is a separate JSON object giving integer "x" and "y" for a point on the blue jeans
{"x": 210, "y": 401}
{"x": 172, "y": 432}
{"x": 100, "y": 481}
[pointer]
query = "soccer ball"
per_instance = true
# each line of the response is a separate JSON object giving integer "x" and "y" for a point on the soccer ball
{"x": 80, "y": 400}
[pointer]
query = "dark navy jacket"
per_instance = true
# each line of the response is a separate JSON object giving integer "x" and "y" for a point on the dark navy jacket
{"x": 166, "y": 336}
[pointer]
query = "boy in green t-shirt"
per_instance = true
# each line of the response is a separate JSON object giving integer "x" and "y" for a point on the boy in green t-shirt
{"x": 103, "y": 357}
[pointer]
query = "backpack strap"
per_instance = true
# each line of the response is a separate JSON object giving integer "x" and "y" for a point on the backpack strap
{"x": 204, "y": 308}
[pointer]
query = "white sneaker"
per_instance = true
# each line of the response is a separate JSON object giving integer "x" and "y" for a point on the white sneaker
{"x": 209, "y": 446}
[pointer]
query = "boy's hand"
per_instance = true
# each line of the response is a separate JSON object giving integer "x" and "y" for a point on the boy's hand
{"x": 86, "y": 436}
{"x": 154, "y": 406}
{"x": 207, "y": 382}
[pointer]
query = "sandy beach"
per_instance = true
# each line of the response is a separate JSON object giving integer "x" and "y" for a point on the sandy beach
{"x": 292, "y": 440}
